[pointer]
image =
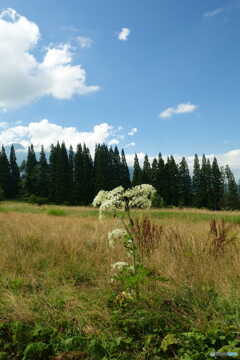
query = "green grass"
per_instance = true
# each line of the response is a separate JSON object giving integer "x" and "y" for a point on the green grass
{"x": 85, "y": 212}
{"x": 57, "y": 212}
{"x": 195, "y": 217}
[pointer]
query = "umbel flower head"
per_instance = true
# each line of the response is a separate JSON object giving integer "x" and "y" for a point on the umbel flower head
{"x": 115, "y": 235}
{"x": 139, "y": 196}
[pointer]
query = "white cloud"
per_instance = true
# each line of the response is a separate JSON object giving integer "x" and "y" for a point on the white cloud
{"x": 133, "y": 131}
{"x": 131, "y": 144}
{"x": 180, "y": 109}
{"x": 47, "y": 133}
{"x": 130, "y": 158}
{"x": 84, "y": 42}
{"x": 214, "y": 12}
{"x": 3, "y": 124}
{"x": 114, "y": 142}
{"x": 124, "y": 33}
{"x": 23, "y": 78}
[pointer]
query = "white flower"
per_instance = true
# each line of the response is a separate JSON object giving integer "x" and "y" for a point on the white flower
{"x": 139, "y": 196}
{"x": 117, "y": 234}
{"x": 119, "y": 265}
{"x": 99, "y": 198}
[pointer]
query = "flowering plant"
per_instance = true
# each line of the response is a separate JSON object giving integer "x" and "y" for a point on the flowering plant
{"x": 139, "y": 196}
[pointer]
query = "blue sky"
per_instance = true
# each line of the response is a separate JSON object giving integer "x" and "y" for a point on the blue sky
{"x": 183, "y": 55}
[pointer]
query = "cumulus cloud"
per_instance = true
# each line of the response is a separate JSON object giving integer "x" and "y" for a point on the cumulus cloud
{"x": 84, "y": 42}
{"x": 133, "y": 131}
{"x": 180, "y": 109}
{"x": 124, "y": 33}
{"x": 214, "y": 12}
{"x": 22, "y": 77}
{"x": 3, "y": 124}
{"x": 46, "y": 133}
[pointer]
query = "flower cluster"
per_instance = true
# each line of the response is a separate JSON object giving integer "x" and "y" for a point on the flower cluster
{"x": 139, "y": 196}
{"x": 99, "y": 198}
{"x": 115, "y": 235}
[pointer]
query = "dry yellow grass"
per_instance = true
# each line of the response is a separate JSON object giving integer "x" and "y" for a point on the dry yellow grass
{"x": 58, "y": 268}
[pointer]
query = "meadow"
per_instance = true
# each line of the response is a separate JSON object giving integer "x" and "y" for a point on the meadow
{"x": 57, "y": 299}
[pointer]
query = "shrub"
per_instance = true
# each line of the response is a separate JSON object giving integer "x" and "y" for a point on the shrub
{"x": 34, "y": 199}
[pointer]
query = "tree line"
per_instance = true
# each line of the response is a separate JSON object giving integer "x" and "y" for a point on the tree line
{"x": 68, "y": 177}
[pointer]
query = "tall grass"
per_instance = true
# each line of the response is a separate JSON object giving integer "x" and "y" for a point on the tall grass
{"x": 57, "y": 269}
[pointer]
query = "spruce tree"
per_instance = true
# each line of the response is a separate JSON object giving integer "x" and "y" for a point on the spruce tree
{"x": 185, "y": 185}
{"x": 52, "y": 173}
{"x": 124, "y": 172}
{"x": 14, "y": 175}
{"x": 43, "y": 175}
{"x": 87, "y": 177}
{"x": 217, "y": 186}
{"x": 71, "y": 174}
{"x": 5, "y": 175}
{"x": 196, "y": 182}
{"x": 102, "y": 168}
{"x": 137, "y": 172}
{"x": 162, "y": 184}
{"x": 116, "y": 167}
{"x": 205, "y": 182}
{"x": 62, "y": 175}
{"x": 209, "y": 186}
{"x": 146, "y": 172}
{"x": 154, "y": 174}
{"x": 78, "y": 175}
{"x": 31, "y": 172}
{"x": 172, "y": 179}
{"x": 232, "y": 195}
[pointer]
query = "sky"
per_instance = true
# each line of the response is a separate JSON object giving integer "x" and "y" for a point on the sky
{"x": 147, "y": 75}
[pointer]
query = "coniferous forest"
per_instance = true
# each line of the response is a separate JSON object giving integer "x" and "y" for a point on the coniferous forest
{"x": 74, "y": 178}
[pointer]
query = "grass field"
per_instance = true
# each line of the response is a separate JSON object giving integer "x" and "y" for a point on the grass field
{"x": 55, "y": 274}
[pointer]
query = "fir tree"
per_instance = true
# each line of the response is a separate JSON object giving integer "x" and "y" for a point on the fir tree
{"x": 52, "y": 173}
{"x": 78, "y": 178}
{"x": 87, "y": 177}
{"x": 232, "y": 196}
{"x": 172, "y": 177}
{"x": 116, "y": 167}
{"x": 217, "y": 186}
{"x": 5, "y": 175}
{"x": 43, "y": 175}
{"x": 137, "y": 172}
{"x": 203, "y": 183}
{"x": 209, "y": 186}
{"x": 124, "y": 172}
{"x": 154, "y": 174}
{"x": 31, "y": 172}
{"x": 185, "y": 186}
{"x": 14, "y": 175}
{"x": 102, "y": 168}
{"x": 146, "y": 172}
{"x": 62, "y": 174}
{"x": 71, "y": 174}
{"x": 161, "y": 185}
{"x": 196, "y": 182}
